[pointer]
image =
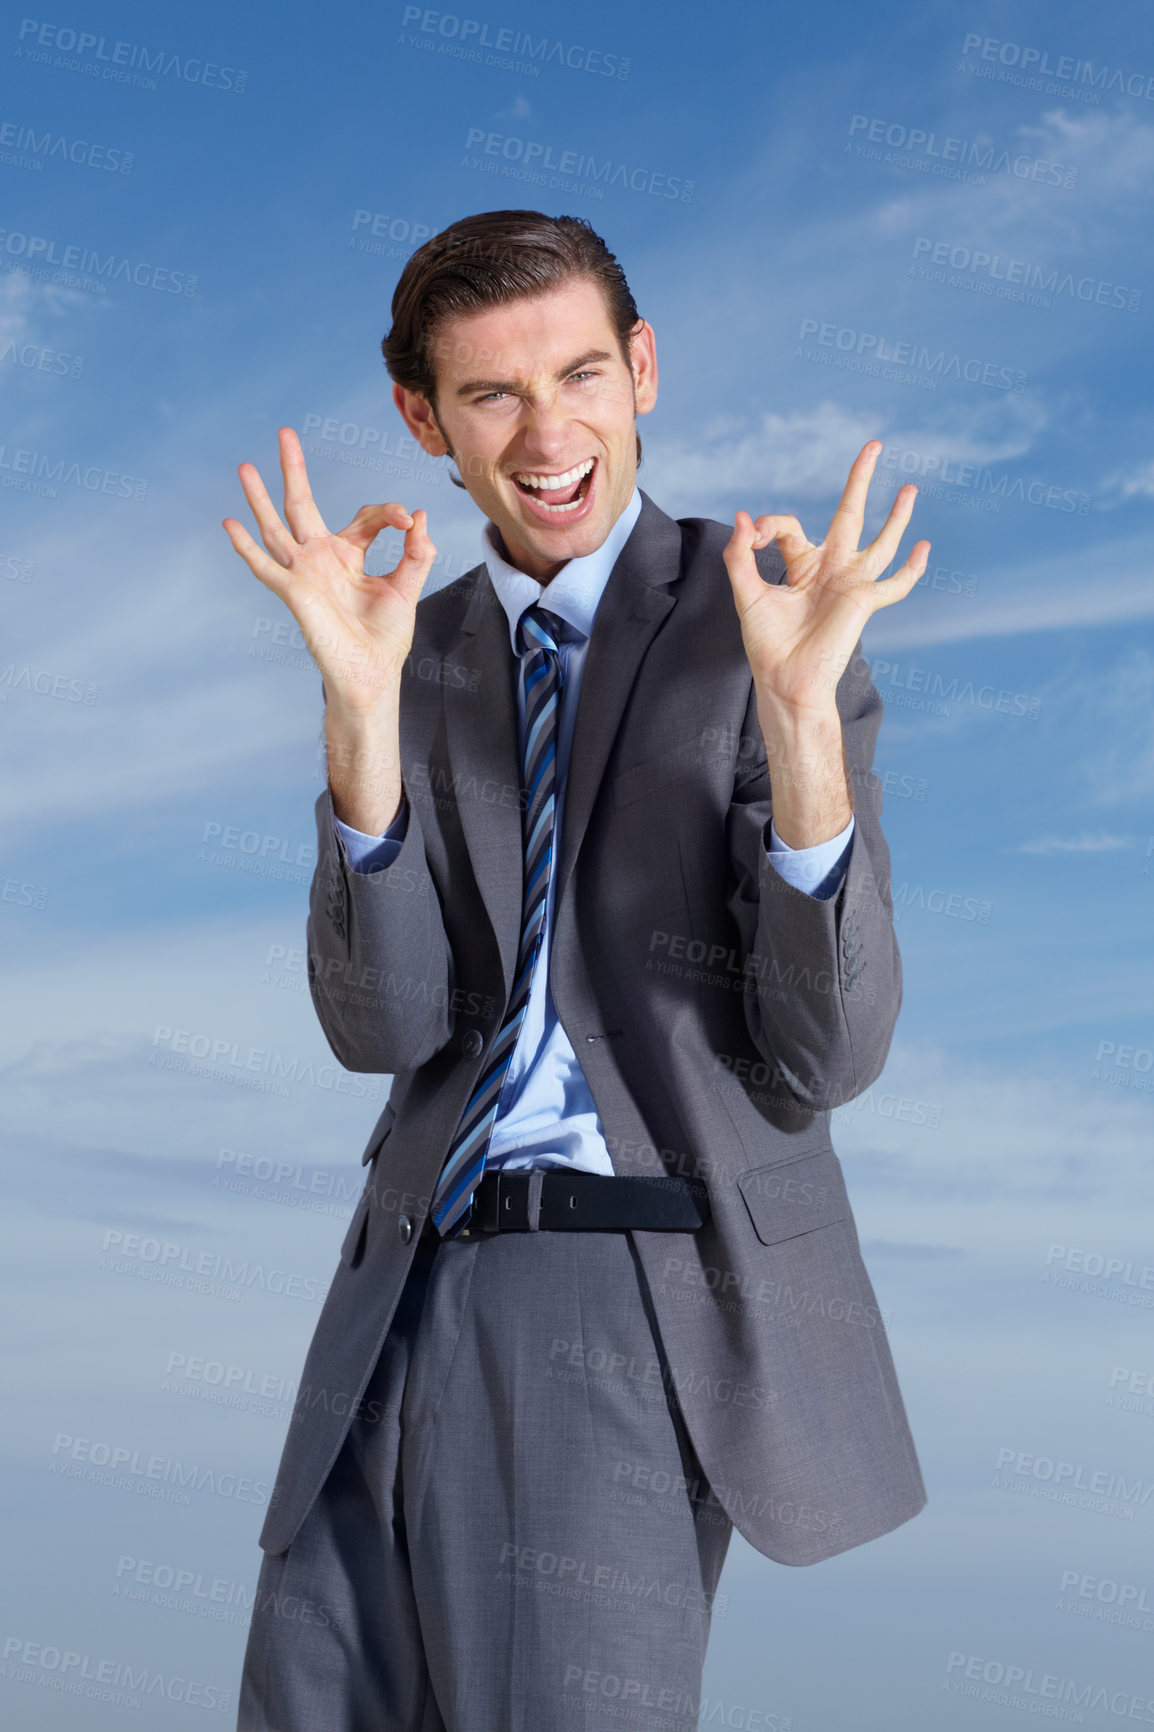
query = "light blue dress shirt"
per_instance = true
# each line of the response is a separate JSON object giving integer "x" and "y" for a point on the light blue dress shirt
{"x": 545, "y": 1114}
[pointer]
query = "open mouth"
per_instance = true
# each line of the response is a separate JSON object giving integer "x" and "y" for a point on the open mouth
{"x": 561, "y": 493}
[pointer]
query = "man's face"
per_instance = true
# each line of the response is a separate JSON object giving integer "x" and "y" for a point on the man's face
{"x": 537, "y": 392}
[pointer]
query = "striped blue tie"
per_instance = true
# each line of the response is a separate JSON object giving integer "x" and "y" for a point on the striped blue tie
{"x": 537, "y": 637}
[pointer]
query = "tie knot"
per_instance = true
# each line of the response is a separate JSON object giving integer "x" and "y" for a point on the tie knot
{"x": 537, "y": 628}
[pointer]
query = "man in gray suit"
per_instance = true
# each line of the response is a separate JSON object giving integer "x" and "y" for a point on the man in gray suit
{"x": 601, "y": 883}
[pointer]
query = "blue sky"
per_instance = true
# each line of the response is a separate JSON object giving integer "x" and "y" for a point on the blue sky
{"x": 880, "y": 226}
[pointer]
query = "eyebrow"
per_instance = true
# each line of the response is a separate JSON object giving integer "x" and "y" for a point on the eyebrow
{"x": 473, "y": 385}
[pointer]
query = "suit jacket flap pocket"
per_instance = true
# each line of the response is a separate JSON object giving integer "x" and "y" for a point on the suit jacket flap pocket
{"x": 795, "y": 1196}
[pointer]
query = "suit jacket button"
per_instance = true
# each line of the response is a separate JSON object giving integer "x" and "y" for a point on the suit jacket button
{"x": 472, "y": 1043}
{"x": 404, "y": 1228}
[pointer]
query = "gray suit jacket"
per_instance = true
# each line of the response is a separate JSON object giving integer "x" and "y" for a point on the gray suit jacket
{"x": 719, "y": 1014}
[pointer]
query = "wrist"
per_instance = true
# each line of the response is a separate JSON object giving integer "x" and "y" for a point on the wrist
{"x": 368, "y": 799}
{"x": 362, "y": 698}
{"x": 793, "y": 730}
{"x": 363, "y": 717}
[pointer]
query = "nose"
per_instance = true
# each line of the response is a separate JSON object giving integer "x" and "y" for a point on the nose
{"x": 545, "y": 435}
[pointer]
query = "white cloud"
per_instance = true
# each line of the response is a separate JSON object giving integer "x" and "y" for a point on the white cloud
{"x": 805, "y": 454}
{"x": 87, "y": 1042}
{"x": 1135, "y": 482}
{"x": 1084, "y": 844}
{"x": 1026, "y": 596}
{"x": 17, "y": 297}
{"x": 1119, "y": 764}
{"x": 23, "y": 298}
{"x": 802, "y": 455}
{"x": 1046, "y": 1131}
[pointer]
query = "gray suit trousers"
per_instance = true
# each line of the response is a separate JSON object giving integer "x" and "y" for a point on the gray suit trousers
{"x": 516, "y": 1535}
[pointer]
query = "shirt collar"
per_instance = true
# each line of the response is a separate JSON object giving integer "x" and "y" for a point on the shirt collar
{"x": 577, "y": 588}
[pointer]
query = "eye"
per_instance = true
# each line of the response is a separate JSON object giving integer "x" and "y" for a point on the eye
{"x": 588, "y": 373}
{"x": 491, "y": 396}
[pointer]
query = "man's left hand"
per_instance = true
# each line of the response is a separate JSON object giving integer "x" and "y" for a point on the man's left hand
{"x": 800, "y": 634}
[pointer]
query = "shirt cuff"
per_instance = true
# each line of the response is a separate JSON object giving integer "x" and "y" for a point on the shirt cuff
{"x": 818, "y": 870}
{"x": 366, "y": 853}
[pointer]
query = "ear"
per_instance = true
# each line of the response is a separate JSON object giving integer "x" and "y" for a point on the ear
{"x": 643, "y": 355}
{"x": 417, "y": 414}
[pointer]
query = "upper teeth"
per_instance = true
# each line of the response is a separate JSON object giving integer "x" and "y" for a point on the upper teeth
{"x": 552, "y": 482}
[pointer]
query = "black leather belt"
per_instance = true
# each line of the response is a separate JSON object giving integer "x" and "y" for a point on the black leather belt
{"x": 552, "y": 1201}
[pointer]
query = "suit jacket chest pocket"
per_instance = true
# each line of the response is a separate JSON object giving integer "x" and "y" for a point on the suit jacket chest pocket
{"x": 667, "y": 766}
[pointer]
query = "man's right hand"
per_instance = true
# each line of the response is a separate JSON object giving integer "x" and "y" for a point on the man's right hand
{"x": 359, "y": 629}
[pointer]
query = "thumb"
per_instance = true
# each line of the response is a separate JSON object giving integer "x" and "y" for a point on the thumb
{"x": 737, "y": 553}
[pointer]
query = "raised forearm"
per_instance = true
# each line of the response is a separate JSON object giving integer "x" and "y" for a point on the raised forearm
{"x": 807, "y": 771}
{"x": 364, "y": 761}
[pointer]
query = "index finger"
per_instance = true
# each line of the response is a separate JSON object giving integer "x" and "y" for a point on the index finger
{"x": 846, "y": 523}
{"x": 300, "y": 508}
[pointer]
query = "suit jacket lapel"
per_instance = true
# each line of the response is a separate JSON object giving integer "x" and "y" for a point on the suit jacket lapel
{"x": 637, "y": 597}
{"x": 481, "y": 725}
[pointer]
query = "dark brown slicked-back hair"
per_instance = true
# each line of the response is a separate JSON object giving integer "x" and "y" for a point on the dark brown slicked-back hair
{"x": 486, "y": 261}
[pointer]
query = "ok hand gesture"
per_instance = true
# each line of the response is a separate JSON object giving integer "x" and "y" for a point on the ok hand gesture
{"x": 359, "y": 629}
{"x": 800, "y": 634}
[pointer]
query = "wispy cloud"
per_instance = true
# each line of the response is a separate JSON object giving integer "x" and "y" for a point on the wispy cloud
{"x": 1029, "y": 595}
{"x": 1109, "y": 710}
{"x": 1084, "y": 844}
{"x": 805, "y": 454}
{"x": 17, "y": 294}
{"x": 1136, "y": 482}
